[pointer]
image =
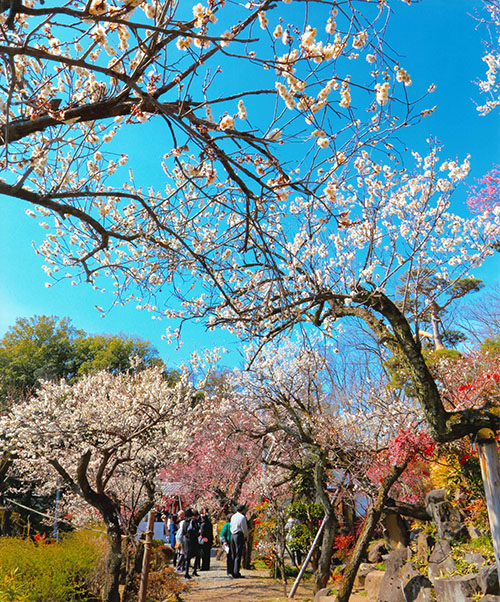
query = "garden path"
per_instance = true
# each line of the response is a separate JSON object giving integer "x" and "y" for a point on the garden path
{"x": 216, "y": 586}
{"x": 257, "y": 586}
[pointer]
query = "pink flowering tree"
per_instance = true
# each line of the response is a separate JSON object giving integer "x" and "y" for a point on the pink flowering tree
{"x": 484, "y": 196}
{"x": 218, "y": 469}
{"x": 106, "y": 437}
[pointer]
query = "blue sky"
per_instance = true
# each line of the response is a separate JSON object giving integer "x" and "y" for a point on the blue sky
{"x": 437, "y": 44}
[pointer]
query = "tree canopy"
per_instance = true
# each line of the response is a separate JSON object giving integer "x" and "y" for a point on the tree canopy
{"x": 51, "y": 348}
{"x": 280, "y": 202}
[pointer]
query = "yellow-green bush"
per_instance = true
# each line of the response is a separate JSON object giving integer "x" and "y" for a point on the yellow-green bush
{"x": 59, "y": 572}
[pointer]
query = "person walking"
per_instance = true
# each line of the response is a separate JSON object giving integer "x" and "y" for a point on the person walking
{"x": 178, "y": 542}
{"x": 239, "y": 533}
{"x": 225, "y": 539}
{"x": 197, "y": 556}
{"x": 190, "y": 533}
{"x": 172, "y": 531}
{"x": 206, "y": 540}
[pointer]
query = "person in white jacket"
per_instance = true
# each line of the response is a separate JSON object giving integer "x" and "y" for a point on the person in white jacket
{"x": 178, "y": 544}
{"x": 239, "y": 534}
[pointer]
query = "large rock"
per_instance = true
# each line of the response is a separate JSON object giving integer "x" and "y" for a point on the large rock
{"x": 323, "y": 595}
{"x": 488, "y": 580}
{"x": 441, "y": 551}
{"x": 446, "y": 517}
{"x": 416, "y": 587}
{"x": 457, "y": 588}
{"x": 473, "y": 532}
{"x": 425, "y": 544}
{"x": 376, "y": 551}
{"x": 391, "y": 588}
{"x": 440, "y": 561}
{"x": 477, "y": 559}
{"x": 364, "y": 570}
{"x": 489, "y": 598}
{"x": 434, "y": 497}
{"x": 373, "y": 581}
{"x": 396, "y": 531}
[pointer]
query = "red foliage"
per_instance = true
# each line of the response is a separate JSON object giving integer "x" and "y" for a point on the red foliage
{"x": 409, "y": 445}
{"x": 471, "y": 382}
{"x": 40, "y": 539}
{"x": 343, "y": 544}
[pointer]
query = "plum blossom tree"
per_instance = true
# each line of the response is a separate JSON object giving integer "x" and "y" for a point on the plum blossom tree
{"x": 292, "y": 400}
{"x": 484, "y": 195}
{"x": 219, "y": 469}
{"x": 284, "y": 396}
{"x": 50, "y": 348}
{"x": 282, "y": 204}
{"x": 99, "y": 436}
{"x": 489, "y": 85}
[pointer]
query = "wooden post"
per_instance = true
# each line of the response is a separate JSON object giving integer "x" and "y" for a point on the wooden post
{"x": 147, "y": 556}
{"x": 490, "y": 470}
{"x": 306, "y": 561}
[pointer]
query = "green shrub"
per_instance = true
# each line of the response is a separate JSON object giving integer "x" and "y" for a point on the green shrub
{"x": 58, "y": 572}
{"x": 11, "y": 590}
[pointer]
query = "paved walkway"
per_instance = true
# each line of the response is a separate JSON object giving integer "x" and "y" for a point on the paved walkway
{"x": 216, "y": 586}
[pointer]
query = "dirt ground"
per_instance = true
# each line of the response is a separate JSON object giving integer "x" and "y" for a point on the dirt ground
{"x": 216, "y": 586}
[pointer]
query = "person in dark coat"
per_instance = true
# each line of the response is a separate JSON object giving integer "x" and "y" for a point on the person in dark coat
{"x": 206, "y": 540}
{"x": 197, "y": 559}
{"x": 190, "y": 534}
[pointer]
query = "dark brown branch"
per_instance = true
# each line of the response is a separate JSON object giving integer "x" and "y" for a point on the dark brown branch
{"x": 405, "y": 509}
{"x": 365, "y": 536}
{"x": 443, "y": 425}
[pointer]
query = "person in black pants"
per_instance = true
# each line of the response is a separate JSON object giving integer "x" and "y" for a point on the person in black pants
{"x": 190, "y": 534}
{"x": 206, "y": 540}
{"x": 239, "y": 533}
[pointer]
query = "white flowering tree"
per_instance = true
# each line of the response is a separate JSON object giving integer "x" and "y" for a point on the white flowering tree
{"x": 106, "y": 437}
{"x": 281, "y": 202}
{"x": 309, "y": 422}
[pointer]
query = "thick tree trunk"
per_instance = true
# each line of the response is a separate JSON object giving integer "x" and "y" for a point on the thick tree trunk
{"x": 367, "y": 532}
{"x": 443, "y": 425}
{"x": 131, "y": 565}
{"x": 110, "y": 513}
{"x": 112, "y": 580}
{"x": 322, "y": 573}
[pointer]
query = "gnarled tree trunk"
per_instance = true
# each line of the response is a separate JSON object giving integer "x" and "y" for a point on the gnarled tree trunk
{"x": 322, "y": 573}
{"x": 367, "y": 532}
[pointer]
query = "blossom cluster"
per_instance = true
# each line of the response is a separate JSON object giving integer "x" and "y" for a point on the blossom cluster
{"x": 120, "y": 427}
